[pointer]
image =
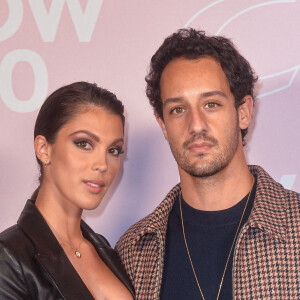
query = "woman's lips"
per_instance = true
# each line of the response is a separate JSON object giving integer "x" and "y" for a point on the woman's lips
{"x": 94, "y": 186}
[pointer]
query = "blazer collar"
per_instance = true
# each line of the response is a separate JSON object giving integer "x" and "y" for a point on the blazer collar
{"x": 53, "y": 259}
{"x": 269, "y": 209}
{"x": 268, "y": 212}
{"x": 156, "y": 222}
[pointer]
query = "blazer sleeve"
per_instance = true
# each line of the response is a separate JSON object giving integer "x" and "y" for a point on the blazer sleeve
{"x": 12, "y": 280}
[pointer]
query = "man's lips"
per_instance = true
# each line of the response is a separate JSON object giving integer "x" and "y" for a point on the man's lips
{"x": 199, "y": 147}
{"x": 94, "y": 186}
{"x": 200, "y": 142}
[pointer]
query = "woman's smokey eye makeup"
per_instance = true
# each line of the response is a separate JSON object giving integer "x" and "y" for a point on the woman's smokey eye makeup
{"x": 86, "y": 144}
{"x": 83, "y": 144}
{"x": 115, "y": 151}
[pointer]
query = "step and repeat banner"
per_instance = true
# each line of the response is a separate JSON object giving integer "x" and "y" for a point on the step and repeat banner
{"x": 45, "y": 44}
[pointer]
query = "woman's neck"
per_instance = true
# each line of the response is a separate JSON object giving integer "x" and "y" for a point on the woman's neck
{"x": 62, "y": 217}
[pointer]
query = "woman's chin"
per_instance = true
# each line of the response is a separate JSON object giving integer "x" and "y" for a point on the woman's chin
{"x": 91, "y": 205}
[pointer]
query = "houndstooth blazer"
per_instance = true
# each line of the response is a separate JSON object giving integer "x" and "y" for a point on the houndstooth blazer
{"x": 266, "y": 260}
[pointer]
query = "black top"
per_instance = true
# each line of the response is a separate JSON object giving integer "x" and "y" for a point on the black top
{"x": 209, "y": 237}
{"x": 33, "y": 265}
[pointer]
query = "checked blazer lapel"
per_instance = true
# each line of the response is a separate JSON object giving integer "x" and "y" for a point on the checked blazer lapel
{"x": 269, "y": 209}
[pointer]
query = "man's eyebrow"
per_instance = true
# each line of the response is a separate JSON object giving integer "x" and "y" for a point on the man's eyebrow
{"x": 92, "y": 135}
{"x": 203, "y": 95}
{"x": 173, "y": 100}
{"x": 213, "y": 93}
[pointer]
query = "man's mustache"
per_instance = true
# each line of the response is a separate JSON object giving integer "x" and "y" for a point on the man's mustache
{"x": 200, "y": 137}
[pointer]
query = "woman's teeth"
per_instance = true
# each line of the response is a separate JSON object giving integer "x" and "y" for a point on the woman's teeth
{"x": 93, "y": 184}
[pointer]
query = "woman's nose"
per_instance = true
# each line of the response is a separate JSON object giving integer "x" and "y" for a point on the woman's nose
{"x": 100, "y": 162}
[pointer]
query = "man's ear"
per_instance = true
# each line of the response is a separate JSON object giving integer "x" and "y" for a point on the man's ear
{"x": 42, "y": 149}
{"x": 161, "y": 124}
{"x": 245, "y": 112}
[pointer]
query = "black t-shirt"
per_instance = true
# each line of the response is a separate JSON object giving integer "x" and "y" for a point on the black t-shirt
{"x": 209, "y": 237}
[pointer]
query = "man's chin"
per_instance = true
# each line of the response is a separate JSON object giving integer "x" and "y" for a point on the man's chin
{"x": 202, "y": 170}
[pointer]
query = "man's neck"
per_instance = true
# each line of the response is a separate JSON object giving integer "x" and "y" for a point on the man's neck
{"x": 219, "y": 191}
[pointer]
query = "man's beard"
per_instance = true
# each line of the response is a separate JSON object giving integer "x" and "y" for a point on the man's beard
{"x": 218, "y": 161}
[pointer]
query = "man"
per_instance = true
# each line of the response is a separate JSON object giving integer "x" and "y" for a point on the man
{"x": 228, "y": 230}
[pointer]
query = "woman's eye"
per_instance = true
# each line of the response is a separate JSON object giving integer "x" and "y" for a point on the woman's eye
{"x": 177, "y": 110}
{"x": 115, "y": 151}
{"x": 83, "y": 145}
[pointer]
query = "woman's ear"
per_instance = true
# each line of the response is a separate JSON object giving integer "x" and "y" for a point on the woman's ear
{"x": 245, "y": 112}
{"x": 42, "y": 149}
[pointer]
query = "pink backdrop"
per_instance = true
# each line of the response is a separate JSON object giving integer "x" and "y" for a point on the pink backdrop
{"x": 46, "y": 44}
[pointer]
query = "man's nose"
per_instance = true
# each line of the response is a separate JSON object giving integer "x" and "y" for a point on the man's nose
{"x": 197, "y": 122}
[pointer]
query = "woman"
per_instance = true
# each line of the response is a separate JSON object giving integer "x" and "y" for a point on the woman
{"x": 51, "y": 253}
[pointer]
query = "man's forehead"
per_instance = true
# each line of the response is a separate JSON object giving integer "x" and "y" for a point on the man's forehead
{"x": 202, "y": 60}
{"x": 201, "y": 76}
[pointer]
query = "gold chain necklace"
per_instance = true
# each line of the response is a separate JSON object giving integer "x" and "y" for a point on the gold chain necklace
{"x": 77, "y": 252}
{"x": 235, "y": 236}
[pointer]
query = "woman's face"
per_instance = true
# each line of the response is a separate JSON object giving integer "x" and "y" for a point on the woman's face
{"x": 85, "y": 158}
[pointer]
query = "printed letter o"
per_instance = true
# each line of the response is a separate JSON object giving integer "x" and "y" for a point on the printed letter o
{"x": 41, "y": 80}
{"x": 14, "y": 19}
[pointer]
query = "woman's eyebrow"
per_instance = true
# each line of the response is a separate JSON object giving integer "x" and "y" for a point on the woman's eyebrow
{"x": 92, "y": 135}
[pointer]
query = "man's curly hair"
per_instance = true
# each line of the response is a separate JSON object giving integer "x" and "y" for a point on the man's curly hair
{"x": 193, "y": 44}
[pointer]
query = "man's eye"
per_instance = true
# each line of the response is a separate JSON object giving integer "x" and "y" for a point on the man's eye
{"x": 83, "y": 145}
{"x": 211, "y": 105}
{"x": 177, "y": 110}
{"x": 115, "y": 151}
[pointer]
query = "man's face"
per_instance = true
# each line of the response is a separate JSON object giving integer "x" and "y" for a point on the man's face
{"x": 200, "y": 122}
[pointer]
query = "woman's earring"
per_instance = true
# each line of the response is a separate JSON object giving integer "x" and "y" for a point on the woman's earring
{"x": 46, "y": 161}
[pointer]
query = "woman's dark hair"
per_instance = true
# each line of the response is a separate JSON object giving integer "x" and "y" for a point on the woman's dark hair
{"x": 63, "y": 104}
{"x": 193, "y": 44}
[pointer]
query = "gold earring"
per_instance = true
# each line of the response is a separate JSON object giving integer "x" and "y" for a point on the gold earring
{"x": 46, "y": 161}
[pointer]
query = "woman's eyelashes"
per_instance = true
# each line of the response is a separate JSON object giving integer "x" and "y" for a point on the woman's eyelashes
{"x": 83, "y": 144}
{"x": 115, "y": 151}
{"x": 88, "y": 145}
